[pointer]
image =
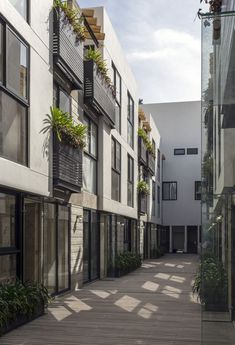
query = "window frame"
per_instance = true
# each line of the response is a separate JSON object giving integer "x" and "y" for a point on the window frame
{"x": 119, "y": 104}
{"x": 163, "y": 196}
{"x": 129, "y": 182}
{"x": 153, "y": 197}
{"x": 192, "y": 153}
{"x": 59, "y": 88}
{"x": 88, "y": 152}
{"x": 28, "y": 11}
{"x": 129, "y": 115}
{"x": 177, "y": 152}
{"x": 196, "y": 193}
{"x": 114, "y": 168}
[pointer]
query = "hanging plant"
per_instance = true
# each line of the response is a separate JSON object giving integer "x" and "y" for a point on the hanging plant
{"x": 96, "y": 56}
{"x": 66, "y": 131}
{"x": 72, "y": 17}
{"x": 149, "y": 146}
{"x": 143, "y": 187}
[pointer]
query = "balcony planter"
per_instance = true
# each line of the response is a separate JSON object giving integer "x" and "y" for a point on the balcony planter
{"x": 67, "y": 48}
{"x": 97, "y": 92}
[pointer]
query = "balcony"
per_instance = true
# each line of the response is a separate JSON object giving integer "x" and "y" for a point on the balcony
{"x": 142, "y": 151}
{"x": 67, "y": 50}
{"x": 142, "y": 203}
{"x": 67, "y": 167}
{"x": 97, "y": 94}
{"x": 151, "y": 164}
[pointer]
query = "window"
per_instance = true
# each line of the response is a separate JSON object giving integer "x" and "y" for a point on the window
{"x": 130, "y": 181}
{"x": 169, "y": 190}
{"x": 21, "y": 6}
{"x": 198, "y": 190}
{"x": 118, "y": 86}
{"x": 153, "y": 197}
{"x": 154, "y": 147}
{"x": 13, "y": 129}
{"x": 116, "y": 170}
{"x": 8, "y": 248}
{"x": 13, "y": 104}
{"x": 179, "y": 152}
{"x": 61, "y": 99}
{"x": 192, "y": 151}
{"x": 17, "y": 65}
{"x": 90, "y": 157}
{"x": 130, "y": 121}
{"x": 158, "y": 200}
{"x": 158, "y": 164}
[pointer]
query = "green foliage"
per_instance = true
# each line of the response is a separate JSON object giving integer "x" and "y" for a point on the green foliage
{"x": 211, "y": 281}
{"x": 61, "y": 123}
{"x": 207, "y": 165}
{"x": 21, "y": 299}
{"x": 142, "y": 134}
{"x": 96, "y": 56}
{"x": 156, "y": 253}
{"x": 127, "y": 261}
{"x": 143, "y": 187}
{"x": 73, "y": 16}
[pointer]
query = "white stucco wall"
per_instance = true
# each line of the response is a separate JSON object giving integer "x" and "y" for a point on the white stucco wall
{"x": 180, "y": 127}
{"x": 33, "y": 178}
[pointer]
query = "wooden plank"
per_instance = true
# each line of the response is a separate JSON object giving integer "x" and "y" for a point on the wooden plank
{"x": 88, "y": 12}
{"x": 95, "y": 28}
{"x": 99, "y": 36}
{"x": 91, "y": 20}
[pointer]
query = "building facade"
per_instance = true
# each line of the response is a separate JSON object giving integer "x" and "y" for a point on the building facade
{"x": 179, "y": 126}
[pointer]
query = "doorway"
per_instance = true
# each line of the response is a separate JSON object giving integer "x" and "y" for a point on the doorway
{"x": 192, "y": 239}
{"x": 178, "y": 238}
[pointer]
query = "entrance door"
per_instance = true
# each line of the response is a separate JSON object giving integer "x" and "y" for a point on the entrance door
{"x": 192, "y": 239}
{"x": 178, "y": 238}
{"x": 91, "y": 243}
{"x": 146, "y": 241}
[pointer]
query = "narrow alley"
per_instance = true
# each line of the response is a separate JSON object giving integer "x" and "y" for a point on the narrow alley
{"x": 152, "y": 306}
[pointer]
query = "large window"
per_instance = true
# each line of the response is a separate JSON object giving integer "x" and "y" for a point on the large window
{"x": 14, "y": 61}
{"x": 22, "y": 6}
{"x": 169, "y": 190}
{"x": 130, "y": 121}
{"x": 116, "y": 170}
{"x": 62, "y": 99}
{"x": 130, "y": 181}
{"x": 117, "y": 85}
{"x": 8, "y": 246}
{"x": 90, "y": 157}
{"x": 13, "y": 129}
{"x": 198, "y": 190}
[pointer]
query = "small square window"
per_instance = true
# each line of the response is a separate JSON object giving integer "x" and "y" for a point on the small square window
{"x": 192, "y": 151}
{"x": 179, "y": 152}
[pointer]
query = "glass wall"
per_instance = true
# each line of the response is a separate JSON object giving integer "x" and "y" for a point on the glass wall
{"x": 216, "y": 280}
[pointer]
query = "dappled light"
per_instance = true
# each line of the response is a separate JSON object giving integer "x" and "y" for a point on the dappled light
{"x": 101, "y": 293}
{"x": 127, "y": 303}
{"x": 162, "y": 276}
{"x": 150, "y": 286}
{"x": 177, "y": 279}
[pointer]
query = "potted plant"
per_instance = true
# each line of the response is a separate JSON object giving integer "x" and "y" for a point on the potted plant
{"x": 21, "y": 303}
{"x": 143, "y": 187}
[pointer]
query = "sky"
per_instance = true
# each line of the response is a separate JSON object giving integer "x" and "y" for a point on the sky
{"x": 162, "y": 42}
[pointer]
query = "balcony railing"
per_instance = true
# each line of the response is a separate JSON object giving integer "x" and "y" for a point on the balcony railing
{"x": 97, "y": 93}
{"x": 151, "y": 164}
{"x": 67, "y": 167}
{"x": 142, "y": 203}
{"x": 67, "y": 50}
{"x": 142, "y": 151}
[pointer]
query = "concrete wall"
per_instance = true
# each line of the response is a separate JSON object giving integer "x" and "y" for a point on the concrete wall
{"x": 179, "y": 125}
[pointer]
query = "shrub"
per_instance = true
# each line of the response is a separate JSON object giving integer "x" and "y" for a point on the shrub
{"x": 127, "y": 261}
{"x": 143, "y": 187}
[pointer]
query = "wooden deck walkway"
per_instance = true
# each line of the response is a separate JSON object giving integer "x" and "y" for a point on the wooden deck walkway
{"x": 152, "y": 306}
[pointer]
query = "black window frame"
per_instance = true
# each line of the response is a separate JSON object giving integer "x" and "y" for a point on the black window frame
{"x": 87, "y": 151}
{"x": 153, "y": 198}
{"x": 114, "y": 167}
{"x": 158, "y": 164}
{"x": 129, "y": 181}
{"x": 192, "y": 151}
{"x": 57, "y": 88}
{"x": 197, "y": 190}
{"x": 163, "y": 196}
{"x": 24, "y": 102}
{"x": 118, "y": 104}
{"x": 179, "y": 152}
{"x": 28, "y": 8}
{"x": 130, "y": 117}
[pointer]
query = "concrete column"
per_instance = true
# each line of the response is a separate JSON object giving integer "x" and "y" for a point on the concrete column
{"x": 171, "y": 240}
{"x": 185, "y": 239}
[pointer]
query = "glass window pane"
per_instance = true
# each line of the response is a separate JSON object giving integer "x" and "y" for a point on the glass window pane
{"x": 86, "y": 123}
{"x": 173, "y": 191}
{"x": 115, "y": 186}
{"x": 130, "y": 194}
{"x": 94, "y": 242}
{"x": 49, "y": 247}
{"x": 89, "y": 174}
{"x": 93, "y": 139}
{"x": 166, "y": 191}
{"x": 7, "y": 220}
{"x": 1, "y": 52}
{"x": 118, "y": 156}
{"x": 21, "y": 7}
{"x": 118, "y": 117}
{"x": 13, "y": 130}
{"x": 113, "y": 153}
{"x": 64, "y": 101}
{"x": 7, "y": 268}
{"x": 86, "y": 225}
{"x": 17, "y": 66}
{"x": 118, "y": 88}
{"x": 129, "y": 134}
{"x": 63, "y": 248}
